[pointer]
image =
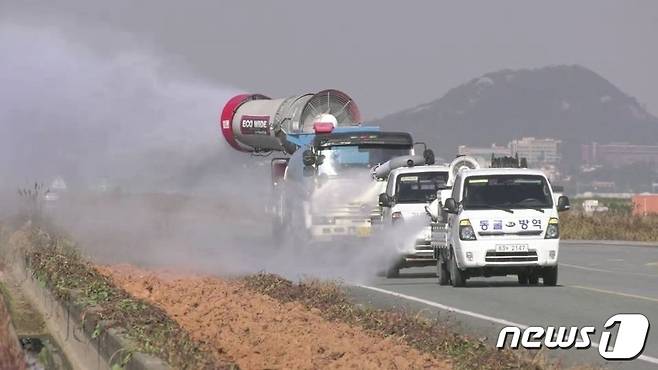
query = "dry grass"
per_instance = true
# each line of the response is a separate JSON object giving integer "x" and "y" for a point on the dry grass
{"x": 609, "y": 226}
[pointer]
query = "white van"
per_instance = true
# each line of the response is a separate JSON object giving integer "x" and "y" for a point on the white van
{"x": 502, "y": 221}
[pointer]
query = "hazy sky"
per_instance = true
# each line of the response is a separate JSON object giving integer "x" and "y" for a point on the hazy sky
{"x": 387, "y": 55}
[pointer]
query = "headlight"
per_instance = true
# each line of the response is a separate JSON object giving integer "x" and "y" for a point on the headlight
{"x": 466, "y": 231}
{"x": 553, "y": 229}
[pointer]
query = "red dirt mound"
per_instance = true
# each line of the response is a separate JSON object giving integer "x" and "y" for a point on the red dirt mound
{"x": 258, "y": 332}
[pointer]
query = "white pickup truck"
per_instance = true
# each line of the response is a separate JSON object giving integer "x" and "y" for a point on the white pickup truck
{"x": 408, "y": 191}
{"x": 501, "y": 221}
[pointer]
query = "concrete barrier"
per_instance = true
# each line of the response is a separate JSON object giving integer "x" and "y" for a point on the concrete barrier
{"x": 88, "y": 342}
{"x": 11, "y": 353}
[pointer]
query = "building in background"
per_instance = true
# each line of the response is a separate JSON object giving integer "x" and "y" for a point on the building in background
{"x": 483, "y": 154}
{"x": 618, "y": 154}
{"x": 538, "y": 152}
{"x": 497, "y": 150}
{"x": 551, "y": 171}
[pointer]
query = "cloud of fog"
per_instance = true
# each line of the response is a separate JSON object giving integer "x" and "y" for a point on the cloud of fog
{"x": 66, "y": 111}
{"x": 226, "y": 236}
{"x": 120, "y": 122}
{"x": 179, "y": 197}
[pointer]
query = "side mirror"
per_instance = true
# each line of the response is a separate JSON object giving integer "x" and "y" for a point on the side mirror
{"x": 563, "y": 203}
{"x": 308, "y": 171}
{"x": 308, "y": 157}
{"x": 451, "y": 206}
{"x": 384, "y": 200}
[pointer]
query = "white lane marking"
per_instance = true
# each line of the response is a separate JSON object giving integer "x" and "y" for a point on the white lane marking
{"x": 620, "y": 294}
{"x": 496, "y": 320}
{"x": 607, "y": 271}
{"x": 446, "y": 308}
{"x": 607, "y": 243}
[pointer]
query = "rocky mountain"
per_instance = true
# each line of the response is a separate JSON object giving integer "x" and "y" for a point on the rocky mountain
{"x": 571, "y": 103}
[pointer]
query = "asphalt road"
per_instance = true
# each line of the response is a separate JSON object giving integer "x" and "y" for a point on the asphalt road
{"x": 596, "y": 279}
{"x": 595, "y": 282}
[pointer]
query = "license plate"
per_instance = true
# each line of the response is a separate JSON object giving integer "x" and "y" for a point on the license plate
{"x": 511, "y": 247}
{"x": 363, "y": 231}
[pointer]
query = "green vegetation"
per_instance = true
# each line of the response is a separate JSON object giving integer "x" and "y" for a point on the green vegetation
{"x": 57, "y": 263}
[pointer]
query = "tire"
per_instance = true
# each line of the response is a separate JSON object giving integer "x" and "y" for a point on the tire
{"x": 393, "y": 271}
{"x": 442, "y": 272}
{"x": 456, "y": 275}
{"x": 550, "y": 276}
{"x": 523, "y": 278}
{"x": 533, "y": 279}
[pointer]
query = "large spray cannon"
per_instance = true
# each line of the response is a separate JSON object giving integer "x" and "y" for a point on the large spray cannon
{"x": 256, "y": 123}
{"x": 316, "y": 194}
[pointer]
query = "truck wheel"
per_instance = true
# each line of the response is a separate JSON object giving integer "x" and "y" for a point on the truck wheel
{"x": 442, "y": 272}
{"x": 523, "y": 278}
{"x": 550, "y": 276}
{"x": 393, "y": 271}
{"x": 456, "y": 275}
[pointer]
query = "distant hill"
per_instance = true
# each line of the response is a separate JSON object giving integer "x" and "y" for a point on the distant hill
{"x": 571, "y": 103}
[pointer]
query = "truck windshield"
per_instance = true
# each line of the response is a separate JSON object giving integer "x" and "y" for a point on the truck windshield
{"x": 506, "y": 191}
{"x": 337, "y": 159}
{"x": 420, "y": 187}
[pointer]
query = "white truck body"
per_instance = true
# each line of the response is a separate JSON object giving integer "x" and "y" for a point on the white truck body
{"x": 410, "y": 189}
{"x": 342, "y": 208}
{"x": 501, "y": 221}
{"x": 326, "y": 192}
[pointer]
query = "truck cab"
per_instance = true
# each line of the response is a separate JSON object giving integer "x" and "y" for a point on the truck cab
{"x": 501, "y": 221}
{"x": 408, "y": 191}
{"x": 328, "y": 193}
